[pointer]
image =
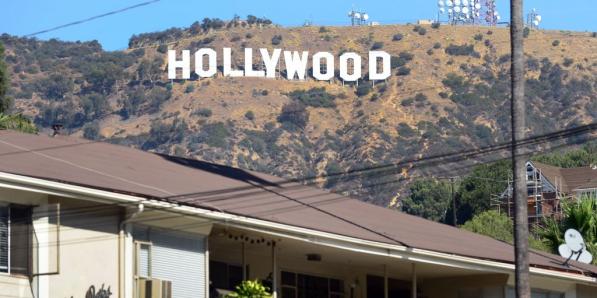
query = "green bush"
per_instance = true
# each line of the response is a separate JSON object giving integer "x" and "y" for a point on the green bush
{"x": 203, "y": 112}
{"x": 397, "y": 37}
{"x": 403, "y": 71}
{"x": 526, "y": 32}
{"x": 294, "y": 115}
{"x": 377, "y": 45}
{"x": 214, "y": 134}
{"x": 435, "y": 25}
{"x": 462, "y": 50}
{"x": 189, "y": 89}
{"x": 314, "y": 97}
{"x": 250, "y": 115}
{"x": 250, "y": 289}
{"x": 437, "y": 45}
{"x": 555, "y": 43}
{"x": 478, "y": 37}
{"x": 276, "y": 40}
{"x": 363, "y": 89}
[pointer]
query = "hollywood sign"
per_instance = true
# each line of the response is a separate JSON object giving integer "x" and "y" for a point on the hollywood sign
{"x": 295, "y": 63}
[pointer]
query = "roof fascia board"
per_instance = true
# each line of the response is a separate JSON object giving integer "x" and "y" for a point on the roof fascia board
{"x": 418, "y": 255}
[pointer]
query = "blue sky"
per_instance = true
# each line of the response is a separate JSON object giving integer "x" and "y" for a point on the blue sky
{"x": 27, "y": 16}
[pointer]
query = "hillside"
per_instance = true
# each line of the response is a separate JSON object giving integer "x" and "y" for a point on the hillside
{"x": 448, "y": 91}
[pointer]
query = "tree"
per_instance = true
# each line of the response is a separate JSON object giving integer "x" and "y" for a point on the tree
{"x": 5, "y": 101}
{"x": 580, "y": 215}
{"x": 493, "y": 224}
{"x": 477, "y": 188}
{"x": 295, "y": 115}
{"x": 428, "y": 198}
{"x": 17, "y": 122}
{"x": 150, "y": 70}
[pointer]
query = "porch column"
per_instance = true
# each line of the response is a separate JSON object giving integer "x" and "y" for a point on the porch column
{"x": 385, "y": 281}
{"x": 244, "y": 260}
{"x": 129, "y": 254}
{"x": 414, "y": 281}
{"x": 274, "y": 271}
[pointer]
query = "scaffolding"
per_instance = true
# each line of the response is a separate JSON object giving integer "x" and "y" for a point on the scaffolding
{"x": 543, "y": 201}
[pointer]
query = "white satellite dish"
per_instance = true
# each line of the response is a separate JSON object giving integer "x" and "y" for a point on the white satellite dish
{"x": 442, "y": 10}
{"x": 498, "y": 17}
{"x": 465, "y": 2}
{"x": 357, "y": 15}
{"x": 449, "y": 3}
{"x": 449, "y": 10}
{"x": 457, "y": 8}
{"x": 440, "y": 3}
{"x": 350, "y": 13}
{"x": 465, "y": 10}
{"x": 457, "y": 2}
{"x": 536, "y": 23}
{"x": 477, "y": 6}
{"x": 574, "y": 248}
{"x": 365, "y": 17}
{"x": 538, "y": 18}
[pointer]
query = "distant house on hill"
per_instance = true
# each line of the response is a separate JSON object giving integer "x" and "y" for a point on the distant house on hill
{"x": 548, "y": 187}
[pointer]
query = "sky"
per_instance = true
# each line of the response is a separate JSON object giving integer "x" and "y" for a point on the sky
{"x": 113, "y": 32}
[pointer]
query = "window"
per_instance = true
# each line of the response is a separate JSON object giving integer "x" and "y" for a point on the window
{"x": 225, "y": 276}
{"x": 308, "y": 286}
{"x": 396, "y": 288}
{"x": 15, "y": 239}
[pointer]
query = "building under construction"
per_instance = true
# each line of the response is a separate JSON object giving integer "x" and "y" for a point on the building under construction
{"x": 547, "y": 188}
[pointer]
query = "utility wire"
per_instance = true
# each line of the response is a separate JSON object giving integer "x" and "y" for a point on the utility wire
{"x": 92, "y": 18}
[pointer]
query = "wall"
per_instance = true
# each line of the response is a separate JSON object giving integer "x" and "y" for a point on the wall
{"x": 586, "y": 291}
{"x": 15, "y": 286}
{"x": 485, "y": 286}
{"x": 88, "y": 257}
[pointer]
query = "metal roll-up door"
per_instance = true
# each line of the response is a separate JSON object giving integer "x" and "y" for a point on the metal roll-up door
{"x": 181, "y": 260}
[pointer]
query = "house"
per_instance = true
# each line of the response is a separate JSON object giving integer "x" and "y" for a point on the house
{"x": 82, "y": 218}
{"x": 548, "y": 187}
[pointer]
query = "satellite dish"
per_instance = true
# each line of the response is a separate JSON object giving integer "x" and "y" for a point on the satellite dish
{"x": 442, "y": 10}
{"x": 477, "y": 6}
{"x": 440, "y": 3}
{"x": 465, "y": 10}
{"x": 449, "y": 10}
{"x": 365, "y": 17}
{"x": 538, "y": 18}
{"x": 457, "y": 2}
{"x": 357, "y": 15}
{"x": 465, "y": 2}
{"x": 350, "y": 13}
{"x": 498, "y": 17}
{"x": 449, "y": 3}
{"x": 457, "y": 8}
{"x": 574, "y": 248}
{"x": 536, "y": 23}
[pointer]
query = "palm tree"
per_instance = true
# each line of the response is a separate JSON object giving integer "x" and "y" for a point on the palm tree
{"x": 17, "y": 122}
{"x": 580, "y": 215}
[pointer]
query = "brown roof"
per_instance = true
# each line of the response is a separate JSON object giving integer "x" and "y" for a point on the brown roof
{"x": 569, "y": 179}
{"x": 206, "y": 185}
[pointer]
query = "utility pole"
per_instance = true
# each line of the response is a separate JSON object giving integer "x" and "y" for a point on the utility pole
{"x": 454, "y": 220}
{"x": 517, "y": 108}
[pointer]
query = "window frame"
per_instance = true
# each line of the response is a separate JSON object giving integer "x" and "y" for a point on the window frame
{"x": 9, "y": 269}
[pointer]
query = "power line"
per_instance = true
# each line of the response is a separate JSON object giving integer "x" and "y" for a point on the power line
{"x": 92, "y": 18}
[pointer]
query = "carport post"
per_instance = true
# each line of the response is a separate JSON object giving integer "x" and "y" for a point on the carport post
{"x": 414, "y": 281}
{"x": 274, "y": 272}
{"x": 244, "y": 261}
{"x": 385, "y": 281}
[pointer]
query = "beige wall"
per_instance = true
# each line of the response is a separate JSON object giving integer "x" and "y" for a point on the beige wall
{"x": 15, "y": 286}
{"x": 89, "y": 248}
{"x": 586, "y": 291}
{"x": 486, "y": 286}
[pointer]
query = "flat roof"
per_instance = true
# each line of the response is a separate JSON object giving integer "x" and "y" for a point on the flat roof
{"x": 207, "y": 185}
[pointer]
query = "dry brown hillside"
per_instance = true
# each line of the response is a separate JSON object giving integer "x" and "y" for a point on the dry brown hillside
{"x": 448, "y": 92}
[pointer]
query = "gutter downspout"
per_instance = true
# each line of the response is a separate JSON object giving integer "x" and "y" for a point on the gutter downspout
{"x": 122, "y": 251}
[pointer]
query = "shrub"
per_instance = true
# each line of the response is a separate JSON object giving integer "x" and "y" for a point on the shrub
{"x": 214, "y": 134}
{"x": 430, "y": 52}
{"x": 407, "y": 102}
{"x": 250, "y": 115}
{"x": 377, "y": 45}
{"x": 276, "y": 40}
{"x": 567, "y": 62}
{"x": 417, "y": 28}
{"x": 404, "y": 130}
{"x": 363, "y": 89}
{"x": 323, "y": 29}
{"x": 422, "y": 31}
{"x": 397, "y": 37}
{"x": 463, "y": 50}
{"x": 294, "y": 115}
{"x": 163, "y": 48}
{"x": 403, "y": 71}
{"x": 189, "y": 89}
{"x": 526, "y": 31}
{"x": 435, "y": 25}
{"x": 235, "y": 38}
{"x": 250, "y": 289}
{"x": 406, "y": 56}
{"x": 203, "y": 112}
{"x": 437, "y": 45}
{"x": 249, "y": 35}
{"x": 478, "y": 37}
{"x": 314, "y": 97}
{"x": 555, "y": 43}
